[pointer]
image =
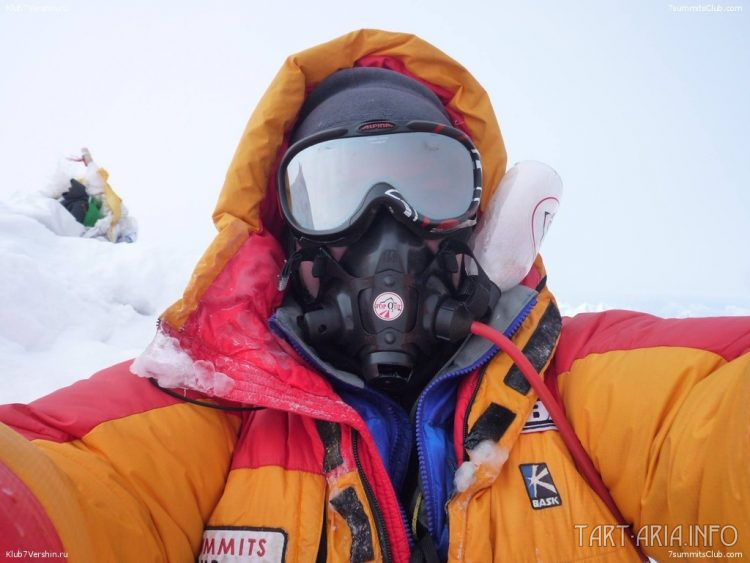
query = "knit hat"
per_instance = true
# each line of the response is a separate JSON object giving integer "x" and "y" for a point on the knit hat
{"x": 353, "y": 95}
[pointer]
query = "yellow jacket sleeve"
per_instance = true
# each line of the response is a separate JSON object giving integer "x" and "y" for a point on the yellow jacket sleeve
{"x": 123, "y": 471}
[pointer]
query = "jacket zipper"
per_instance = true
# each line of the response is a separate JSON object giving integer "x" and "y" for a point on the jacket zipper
{"x": 421, "y": 447}
{"x": 380, "y": 523}
{"x": 385, "y": 546}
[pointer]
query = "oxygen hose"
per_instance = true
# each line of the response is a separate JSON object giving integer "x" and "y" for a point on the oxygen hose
{"x": 581, "y": 458}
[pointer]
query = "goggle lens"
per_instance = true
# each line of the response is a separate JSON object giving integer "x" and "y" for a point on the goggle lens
{"x": 327, "y": 184}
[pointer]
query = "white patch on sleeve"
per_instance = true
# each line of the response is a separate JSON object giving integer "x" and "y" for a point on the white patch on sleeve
{"x": 243, "y": 545}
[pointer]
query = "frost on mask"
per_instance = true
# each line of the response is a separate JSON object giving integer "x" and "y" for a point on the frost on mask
{"x": 485, "y": 462}
{"x": 172, "y": 367}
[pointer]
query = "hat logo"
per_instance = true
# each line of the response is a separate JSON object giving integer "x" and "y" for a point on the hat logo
{"x": 376, "y": 126}
{"x": 388, "y": 306}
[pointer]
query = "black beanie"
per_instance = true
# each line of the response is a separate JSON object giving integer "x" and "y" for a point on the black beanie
{"x": 353, "y": 95}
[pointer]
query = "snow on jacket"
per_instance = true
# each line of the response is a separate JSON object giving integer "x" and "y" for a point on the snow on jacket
{"x": 302, "y": 463}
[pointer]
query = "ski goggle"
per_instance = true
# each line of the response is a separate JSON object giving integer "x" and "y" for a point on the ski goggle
{"x": 428, "y": 175}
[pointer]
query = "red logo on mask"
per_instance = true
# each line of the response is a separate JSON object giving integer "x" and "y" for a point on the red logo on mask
{"x": 388, "y": 306}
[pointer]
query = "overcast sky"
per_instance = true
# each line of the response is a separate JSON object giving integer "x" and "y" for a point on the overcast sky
{"x": 642, "y": 107}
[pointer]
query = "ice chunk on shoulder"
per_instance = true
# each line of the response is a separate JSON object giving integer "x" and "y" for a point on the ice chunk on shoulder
{"x": 489, "y": 455}
{"x": 172, "y": 367}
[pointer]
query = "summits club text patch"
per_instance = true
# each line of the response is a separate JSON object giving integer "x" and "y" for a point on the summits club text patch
{"x": 243, "y": 545}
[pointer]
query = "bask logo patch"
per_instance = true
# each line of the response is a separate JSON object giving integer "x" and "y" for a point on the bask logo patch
{"x": 539, "y": 485}
{"x": 232, "y": 544}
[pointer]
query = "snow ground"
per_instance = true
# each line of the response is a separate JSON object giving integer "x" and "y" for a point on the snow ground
{"x": 71, "y": 306}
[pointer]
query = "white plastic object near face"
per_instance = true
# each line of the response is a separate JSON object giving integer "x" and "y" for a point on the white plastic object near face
{"x": 511, "y": 230}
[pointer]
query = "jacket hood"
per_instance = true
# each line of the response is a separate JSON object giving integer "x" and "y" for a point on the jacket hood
{"x": 248, "y": 201}
{"x": 217, "y": 339}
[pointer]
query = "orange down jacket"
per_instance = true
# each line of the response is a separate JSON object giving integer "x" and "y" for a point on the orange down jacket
{"x": 283, "y": 459}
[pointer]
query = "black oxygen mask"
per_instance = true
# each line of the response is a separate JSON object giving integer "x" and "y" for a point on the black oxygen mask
{"x": 389, "y": 308}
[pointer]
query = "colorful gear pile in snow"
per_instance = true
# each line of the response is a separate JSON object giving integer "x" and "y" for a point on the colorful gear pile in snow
{"x": 260, "y": 450}
{"x": 94, "y": 204}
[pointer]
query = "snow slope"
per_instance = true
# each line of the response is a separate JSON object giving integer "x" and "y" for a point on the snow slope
{"x": 70, "y": 306}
